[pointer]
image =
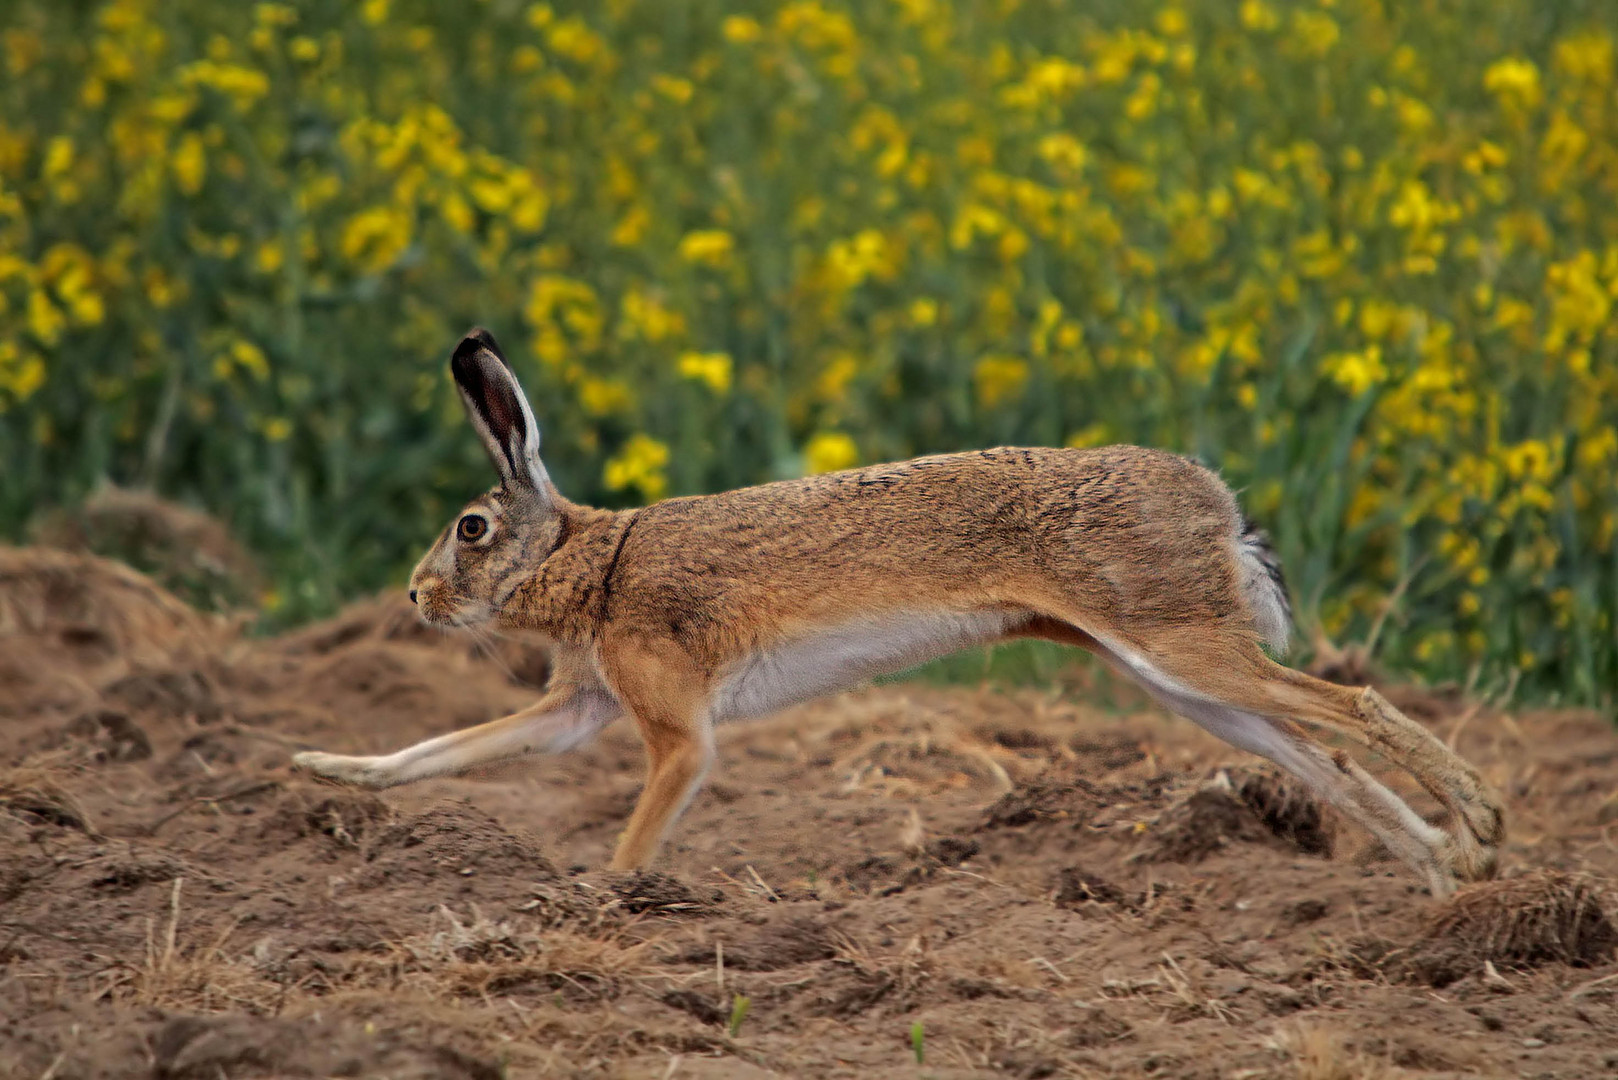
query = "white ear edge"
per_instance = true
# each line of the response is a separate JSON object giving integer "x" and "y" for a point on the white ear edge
{"x": 500, "y": 412}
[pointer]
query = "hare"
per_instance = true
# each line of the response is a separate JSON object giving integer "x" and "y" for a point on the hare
{"x": 693, "y": 611}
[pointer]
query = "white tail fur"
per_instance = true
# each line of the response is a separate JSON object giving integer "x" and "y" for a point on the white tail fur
{"x": 1264, "y": 587}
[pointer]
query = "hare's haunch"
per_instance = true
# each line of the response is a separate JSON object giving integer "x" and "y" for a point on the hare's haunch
{"x": 697, "y": 610}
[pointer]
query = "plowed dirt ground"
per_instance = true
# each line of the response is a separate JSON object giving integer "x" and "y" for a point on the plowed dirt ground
{"x": 1038, "y": 883}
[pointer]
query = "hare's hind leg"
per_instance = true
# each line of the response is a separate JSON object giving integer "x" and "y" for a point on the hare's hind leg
{"x": 1227, "y": 666}
{"x": 1368, "y": 717}
{"x": 669, "y": 701}
{"x": 564, "y": 718}
{"x": 1335, "y": 777}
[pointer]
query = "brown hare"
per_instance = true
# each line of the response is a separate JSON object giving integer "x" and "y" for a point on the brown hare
{"x": 694, "y": 611}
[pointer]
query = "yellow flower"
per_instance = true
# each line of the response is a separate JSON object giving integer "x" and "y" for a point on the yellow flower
{"x": 1172, "y": 22}
{"x": 242, "y": 85}
{"x": 272, "y": 14}
{"x": 644, "y": 315}
{"x": 868, "y": 255}
{"x": 632, "y": 227}
{"x": 1357, "y": 372}
{"x": 1257, "y": 15}
{"x": 1315, "y": 32}
{"x": 375, "y": 238}
{"x": 250, "y": 358}
{"x": 999, "y": 377}
{"x": 190, "y": 163}
{"x": 1096, "y": 434}
{"x": 741, "y": 29}
{"x": 675, "y": 89}
{"x": 712, "y": 368}
{"x": 708, "y": 247}
{"x": 1586, "y": 57}
{"x": 45, "y": 321}
{"x": 270, "y": 256}
{"x": 1063, "y": 151}
{"x": 829, "y": 451}
{"x": 639, "y": 465}
{"x": 20, "y": 373}
{"x": 602, "y": 397}
{"x": 58, "y": 157}
{"x": 1513, "y": 80}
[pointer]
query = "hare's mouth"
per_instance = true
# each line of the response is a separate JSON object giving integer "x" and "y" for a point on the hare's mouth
{"x": 455, "y": 612}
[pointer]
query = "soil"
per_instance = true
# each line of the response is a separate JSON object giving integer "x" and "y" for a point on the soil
{"x": 998, "y": 882}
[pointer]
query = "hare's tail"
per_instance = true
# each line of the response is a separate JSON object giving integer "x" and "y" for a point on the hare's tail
{"x": 1265, "y": 587}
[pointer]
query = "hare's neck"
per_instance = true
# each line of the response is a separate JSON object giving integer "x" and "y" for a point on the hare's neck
{"x": 566, "y": 595}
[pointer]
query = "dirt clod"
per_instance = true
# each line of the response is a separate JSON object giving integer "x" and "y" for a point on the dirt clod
{"x": 701, "y": 1006}
{"x": 648, "y": 891}
{"x": 1301, "y": 912}
{"x": 41, "y": 799}
{"x": 952, "y": 850}
{"x": 112, "y": 734}
{"x": 209, "y": 1047}
{"x": 1542, "y": 917}
{"x": 772, "y": 946}
{"x": 173, "y": 693}
{"x": 347, "y": 817}
{"x": 1205, "y": 822}
{"x": 127, "y": 871}
{"x": 1045, "y": 799}
{"x": 1077, "y": 888}
{"x": 453, "y": 840}
{"x": 1286, "y": 809}
{"x": 1247, "y": 808}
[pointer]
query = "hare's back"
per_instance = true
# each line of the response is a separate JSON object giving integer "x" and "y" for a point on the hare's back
{"x": 1036, "y": 489}
{"x": 982, "y": 508}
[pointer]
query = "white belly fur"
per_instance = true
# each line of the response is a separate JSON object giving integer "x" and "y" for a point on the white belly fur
{"x": 839, "y": 657}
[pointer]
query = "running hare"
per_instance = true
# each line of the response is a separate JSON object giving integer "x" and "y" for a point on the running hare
{"x": 693, "y": 611}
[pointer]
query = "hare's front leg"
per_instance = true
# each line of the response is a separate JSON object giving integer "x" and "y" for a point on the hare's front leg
{"x": 669, "y": 700}
{"x": 564, "y": 718}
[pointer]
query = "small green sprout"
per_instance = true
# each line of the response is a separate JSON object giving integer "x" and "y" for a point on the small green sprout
{"x": 738, "y": 1012}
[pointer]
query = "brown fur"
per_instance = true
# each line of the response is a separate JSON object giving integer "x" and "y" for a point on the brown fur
{"x": 1133, "y": 553}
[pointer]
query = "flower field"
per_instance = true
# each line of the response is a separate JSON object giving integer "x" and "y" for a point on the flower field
{"x": 1363, "y": 257}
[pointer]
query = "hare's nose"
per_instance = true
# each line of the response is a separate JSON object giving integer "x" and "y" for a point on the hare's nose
{"x": 412, "y": 596}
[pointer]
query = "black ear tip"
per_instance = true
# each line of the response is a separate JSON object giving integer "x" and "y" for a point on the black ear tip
{"x": 475, "y": 339}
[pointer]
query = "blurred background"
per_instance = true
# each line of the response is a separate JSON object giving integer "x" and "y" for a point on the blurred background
{"x": 1362, "y": 257}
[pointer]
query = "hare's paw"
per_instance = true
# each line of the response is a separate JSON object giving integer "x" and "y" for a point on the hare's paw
{"x": 1468, "y": 859}
{"x": 361, "y": 771}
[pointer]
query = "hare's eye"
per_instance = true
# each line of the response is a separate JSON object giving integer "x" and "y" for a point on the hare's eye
{"x": 472, "y": 527}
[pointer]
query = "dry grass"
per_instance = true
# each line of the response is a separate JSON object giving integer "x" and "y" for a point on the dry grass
{"x": 1544, "y": 916}
{"x": 1285, "y": 807}
{"x": 172, "y": 974}
{"x": 1313, "y": 1052}
{"x": 477, "y": 956}
{"x": 37, "y": 792}
{"x": 86, "y": 601}
{"x": 471, "y": 958}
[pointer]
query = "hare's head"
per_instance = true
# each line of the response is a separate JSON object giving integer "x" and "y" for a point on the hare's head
{"x": 498, "y": 538}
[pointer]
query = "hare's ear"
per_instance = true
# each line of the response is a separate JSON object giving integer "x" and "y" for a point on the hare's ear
{"x": 499, "y": 411}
